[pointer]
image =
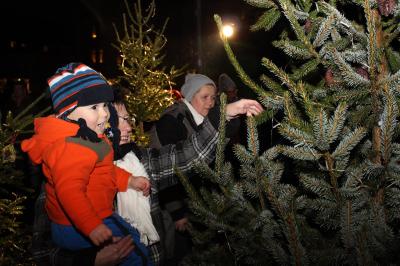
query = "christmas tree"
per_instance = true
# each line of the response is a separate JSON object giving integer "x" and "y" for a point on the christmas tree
{"x": 15, "y": 234}
{"x": 331, "y": 195}
{"x": 149, "y": 83}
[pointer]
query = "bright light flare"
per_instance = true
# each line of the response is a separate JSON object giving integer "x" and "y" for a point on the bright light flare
{"x": 228, "y": 30}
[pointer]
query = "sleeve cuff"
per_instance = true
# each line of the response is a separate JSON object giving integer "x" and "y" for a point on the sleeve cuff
{"x": 122, "y": 178}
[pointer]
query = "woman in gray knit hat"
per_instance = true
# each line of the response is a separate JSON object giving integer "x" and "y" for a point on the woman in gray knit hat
{"x": 180, "y": 120}
{"x": 177, "y": 123}
{"x": 199, "y": 92}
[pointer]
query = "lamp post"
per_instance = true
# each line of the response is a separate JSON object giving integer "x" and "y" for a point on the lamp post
{"x": 199, "y": 36}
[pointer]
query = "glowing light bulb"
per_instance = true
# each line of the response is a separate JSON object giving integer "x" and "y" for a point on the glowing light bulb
{"x": 228, "y": 30}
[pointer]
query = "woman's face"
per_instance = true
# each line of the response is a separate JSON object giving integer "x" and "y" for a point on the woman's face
{"x": 204, "y": 99}
{"x": 124, "y": 123}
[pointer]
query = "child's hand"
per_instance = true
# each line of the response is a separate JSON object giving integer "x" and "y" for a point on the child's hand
{"x": 100, "y": 234}
{"x": 243, "y": 106}
{"x": 140, "y": 183}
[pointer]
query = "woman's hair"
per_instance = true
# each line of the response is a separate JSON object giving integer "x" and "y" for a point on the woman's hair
{"x": 120, "y": 94}
{"x": 113, "y": 133}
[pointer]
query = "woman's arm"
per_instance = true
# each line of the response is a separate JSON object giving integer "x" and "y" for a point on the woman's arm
{"x": 170, "y": 130}
{"x": 200, "y": 146}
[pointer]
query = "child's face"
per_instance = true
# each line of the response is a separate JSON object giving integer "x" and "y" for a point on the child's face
{"x": 96, "y": 116}
{"x": 124, "y": 123}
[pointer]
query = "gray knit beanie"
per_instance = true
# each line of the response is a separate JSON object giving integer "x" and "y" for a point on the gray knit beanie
{"x": 225, "y": 83}
{"x": 193, "y": 83}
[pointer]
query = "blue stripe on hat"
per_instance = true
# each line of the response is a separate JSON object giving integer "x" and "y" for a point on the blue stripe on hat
{"x": 75, "y": 86}
{"x": 75, "y": 91}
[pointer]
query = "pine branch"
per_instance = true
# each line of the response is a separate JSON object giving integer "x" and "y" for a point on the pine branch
{"x": 295, "y": 135}
{"x": 388, "y": 124}
{"x": 342, "y": 23}
{"x": 392, "y": 36}
{"x": 336, "y": 123}
{"x": 393, "y": 59}
{"x": 279, "y": 73}
{"x": 272, "y": 85}
{"x": 189, "y": 188}
{"x": 243, "y": 154}
{"x": 260, "y": 3}
{"x": 352, "y": 78}
{"x": 294, "y": 49}
{"x": 356, "y": 55}
{"x": 292, "y": 237}
{"x": 253, "y": 145}
{"x": 347, "y": 233}
{"x": 305, "y": 69}
{"x": 288, "y": 11}
{"x": 300, "y": 153}
{"x": 221, "y": 137}
{"x": 351, "y": 96}
{"x": 317, "y": 186}
{"x": 349, "y": 142}
{"x": 324, "y": 30}
{"x": 320, "y": 130}
{"x": 372, "y": 47}
{"x": 391, "y": 81}
{"x": 252, "y": 137}
{"x": 267, "y": 20}
{"x": 292, "y": 115}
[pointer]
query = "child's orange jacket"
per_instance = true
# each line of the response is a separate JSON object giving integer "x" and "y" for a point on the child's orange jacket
{"x": 81, "y": 177}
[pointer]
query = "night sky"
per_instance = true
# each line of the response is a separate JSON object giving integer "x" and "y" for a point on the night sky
{"x": 48, "y": 34}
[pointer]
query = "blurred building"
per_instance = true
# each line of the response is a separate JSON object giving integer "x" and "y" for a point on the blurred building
{"x": 39, "y": 36}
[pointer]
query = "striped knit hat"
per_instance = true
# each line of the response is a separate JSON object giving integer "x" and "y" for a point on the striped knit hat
{"x": 77, "y": 85}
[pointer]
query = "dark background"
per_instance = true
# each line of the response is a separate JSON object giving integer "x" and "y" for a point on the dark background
{"x": 37, "y": 37}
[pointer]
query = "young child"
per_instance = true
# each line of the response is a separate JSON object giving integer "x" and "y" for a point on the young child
{"x": 77, "y": 160}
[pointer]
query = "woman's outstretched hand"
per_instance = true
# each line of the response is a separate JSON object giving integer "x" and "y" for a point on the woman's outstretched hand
{"x": 243, "y": 106}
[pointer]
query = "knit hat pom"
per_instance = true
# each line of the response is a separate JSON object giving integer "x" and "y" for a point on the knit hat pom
{"x": 78, "y": 85}
{"x": 193, "y": 83}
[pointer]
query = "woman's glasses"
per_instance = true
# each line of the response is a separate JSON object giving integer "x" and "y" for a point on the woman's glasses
{"x": 130, "y": 120}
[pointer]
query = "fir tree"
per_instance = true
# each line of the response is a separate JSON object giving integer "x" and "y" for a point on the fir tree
{"x": 339, "y": 203}
{"x": 149, "y": 83}
{"x": 15, "y": 234}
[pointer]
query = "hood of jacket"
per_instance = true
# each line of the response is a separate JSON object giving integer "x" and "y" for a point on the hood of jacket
{"x": 48, "y": 130}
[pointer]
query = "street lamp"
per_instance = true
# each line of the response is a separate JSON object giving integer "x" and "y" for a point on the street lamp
{"x": 199, "y": 36}
{"x": 228, "y": 30}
